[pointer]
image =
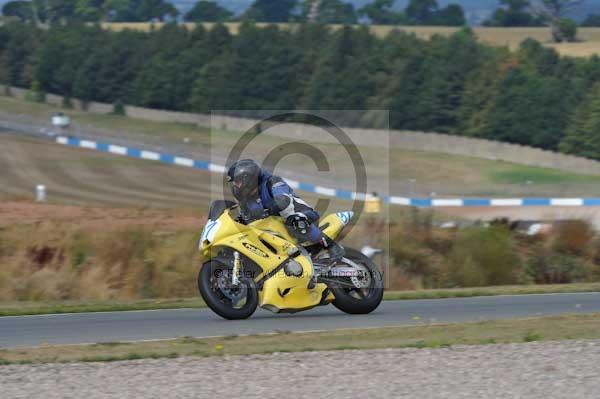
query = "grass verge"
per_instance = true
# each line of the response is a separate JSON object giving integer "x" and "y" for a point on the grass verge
{"x": 494, "y": 291}
{"x": 37, "y": 308}
{"x": 426, "y": 336}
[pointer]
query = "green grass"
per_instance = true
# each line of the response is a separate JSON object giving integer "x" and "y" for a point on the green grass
{"x": 420, "y": 336}
{"x": 520, "y": 174}
{"x": 493, "y": 291}
{"x": 37, "y": 308}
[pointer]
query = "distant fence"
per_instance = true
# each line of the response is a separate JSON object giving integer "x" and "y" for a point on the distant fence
{"x": 400, "y": 139}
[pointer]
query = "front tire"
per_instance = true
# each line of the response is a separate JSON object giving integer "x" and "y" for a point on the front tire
{"x": 359, "y": 301}
{"x": 218, "y": 297}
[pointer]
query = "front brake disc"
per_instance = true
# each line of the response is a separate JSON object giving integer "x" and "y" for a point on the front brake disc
{"x": 233, "y": 293}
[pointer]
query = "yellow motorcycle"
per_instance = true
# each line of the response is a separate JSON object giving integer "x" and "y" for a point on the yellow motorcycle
{"x": 260, "y": 264}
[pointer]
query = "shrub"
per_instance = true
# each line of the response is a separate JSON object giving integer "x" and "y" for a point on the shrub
{"x": 567, "y": 28}
{"x": 36, "y": 93}
{"x": 80, "y": 249}
{"x": 532, "y": 337}
{"x": 483, "y": 256}
{"x": 119, "y": 108}
{"x": 67, "y": 102}
{"x": 411, "y": 258}
{"x": 415, "y": 257}
{"x": 546, "y": 267}
{"x": 573, "y": 237}
{"x": 463, "y": 271}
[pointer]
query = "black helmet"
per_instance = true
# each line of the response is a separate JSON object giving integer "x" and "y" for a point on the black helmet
{"x": 244, "y": 176}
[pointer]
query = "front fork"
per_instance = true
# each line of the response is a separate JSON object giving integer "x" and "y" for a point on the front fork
{"x": 237, "y": 265}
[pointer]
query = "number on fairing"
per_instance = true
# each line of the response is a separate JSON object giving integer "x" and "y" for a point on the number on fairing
{"x": 345, "y": 216}
{"x": 211, "y": 228}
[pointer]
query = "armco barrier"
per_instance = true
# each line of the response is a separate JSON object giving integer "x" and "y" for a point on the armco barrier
{"x": 170, "y": 159}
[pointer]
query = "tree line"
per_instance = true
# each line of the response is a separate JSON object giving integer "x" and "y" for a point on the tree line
{"x": 511, "y": 13}
{"x": 453, "y": 85}
{"x": 43, "y": 12}
{"x": 418, "y": 12}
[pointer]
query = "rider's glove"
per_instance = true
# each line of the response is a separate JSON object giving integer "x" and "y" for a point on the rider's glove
{"x": 299, "y": 223}
{"x": 253, "y": 211}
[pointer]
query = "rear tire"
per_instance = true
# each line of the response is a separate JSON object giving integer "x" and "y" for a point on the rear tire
{"x": 344, "y": 299}
{"x": 217, "y": 301}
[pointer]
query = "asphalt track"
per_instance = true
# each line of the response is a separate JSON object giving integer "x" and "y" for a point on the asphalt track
{"x": 161, "y": 324}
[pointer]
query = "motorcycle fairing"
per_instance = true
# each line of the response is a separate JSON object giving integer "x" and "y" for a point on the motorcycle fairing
{"x": 267, "y": 243}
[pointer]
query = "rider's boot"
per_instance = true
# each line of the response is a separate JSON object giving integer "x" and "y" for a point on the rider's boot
{"x": 335, "y": 250}
{"x": 336, "y": 253}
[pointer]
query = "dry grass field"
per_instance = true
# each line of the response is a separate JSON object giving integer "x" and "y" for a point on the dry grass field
{"x": 83, "y": 177}
{"x": 588, "y": 45}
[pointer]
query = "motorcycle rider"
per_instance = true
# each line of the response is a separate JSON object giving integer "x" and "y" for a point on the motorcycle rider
{"x": 261, "y": 194}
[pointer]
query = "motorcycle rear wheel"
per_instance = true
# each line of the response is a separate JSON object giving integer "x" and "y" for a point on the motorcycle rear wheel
{"x": 217, "y": 300}
{"x": 347, "y": 300}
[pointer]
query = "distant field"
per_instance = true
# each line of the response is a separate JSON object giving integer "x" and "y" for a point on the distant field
{"x": 443, "y": 174}
{"x": 588, "y": 45}
{"x": 86, "y": 177}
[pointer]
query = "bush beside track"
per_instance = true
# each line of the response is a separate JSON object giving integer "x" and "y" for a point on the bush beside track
{"x": 124, "y": 259}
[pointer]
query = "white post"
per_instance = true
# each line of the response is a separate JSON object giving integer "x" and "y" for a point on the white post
{"x": 40, "y": 193}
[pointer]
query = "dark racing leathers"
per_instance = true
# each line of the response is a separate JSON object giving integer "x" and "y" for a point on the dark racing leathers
{"x": 275, "y": 197}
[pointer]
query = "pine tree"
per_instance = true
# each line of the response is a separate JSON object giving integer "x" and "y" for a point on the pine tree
{"x": 421, "y": 12}
{"x": 208, "y": 11}
{"x": 528, "y": 109}
{"x": 583, "y": 134}
{"x": 270, "y": 10}
{"x": 19, "y": 9}
{"x": 514, "y": 13}
{"x": 335, "y": 12}
{"x": 380, "y": 12}
{"x": 214, "y": 88}
{"x": 342, "y": 78}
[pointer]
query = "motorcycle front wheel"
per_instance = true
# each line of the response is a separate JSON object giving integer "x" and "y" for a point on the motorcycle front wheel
{"x": 232, "y": 302}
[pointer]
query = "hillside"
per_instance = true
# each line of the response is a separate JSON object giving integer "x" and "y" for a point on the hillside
{"x": 445, "y": 175}
{"x": 531, "y": 95}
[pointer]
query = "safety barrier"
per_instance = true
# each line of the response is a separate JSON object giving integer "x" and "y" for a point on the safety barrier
{"x": 170, "y": 159}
